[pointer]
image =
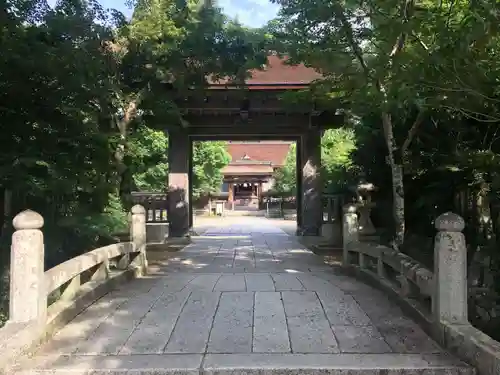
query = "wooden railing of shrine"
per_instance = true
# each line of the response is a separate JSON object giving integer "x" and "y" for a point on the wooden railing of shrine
{"x": 277, "y": 204}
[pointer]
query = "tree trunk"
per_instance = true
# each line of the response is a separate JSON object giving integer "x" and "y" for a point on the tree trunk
{"x": 399, "y": 204}
{"x": 7, "y": 209}
{"x": 124, "y": 176}
{"x": 397, "y": 182}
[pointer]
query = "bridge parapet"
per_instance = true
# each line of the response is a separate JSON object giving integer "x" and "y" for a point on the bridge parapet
{"x": 436, "y": 298}
{"x": 41, "y": 302}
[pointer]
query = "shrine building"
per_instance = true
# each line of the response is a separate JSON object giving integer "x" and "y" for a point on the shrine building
{"x": 251, "y": 170}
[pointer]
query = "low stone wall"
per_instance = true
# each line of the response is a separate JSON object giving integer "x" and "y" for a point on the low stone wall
{"x": 438, "y": 298}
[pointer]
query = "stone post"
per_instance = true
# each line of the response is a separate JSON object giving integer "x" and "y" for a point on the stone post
{"x": 138, "y": 235}
{"x": 28, "y": 298}
{"x": 350, "y": 231}
{"x": 450, "y": 270}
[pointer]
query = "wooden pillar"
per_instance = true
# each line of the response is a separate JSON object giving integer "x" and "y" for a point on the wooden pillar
{"x": 178, "y": 183}
{"x": 312, "y": 210}
{"x": 230, "y": 187}
{"x": 190, "y": 184}
{"x": 298, "y": 188}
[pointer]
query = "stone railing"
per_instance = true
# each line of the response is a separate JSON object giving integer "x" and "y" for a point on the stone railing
{"x": 41, "y": 302}
{"x": 438, "y": 298}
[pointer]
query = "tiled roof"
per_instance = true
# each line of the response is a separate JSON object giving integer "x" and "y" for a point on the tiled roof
{"x": 246, "y": 153}
{"x": 246, "y": 170}
{"x": 277, "y": 72}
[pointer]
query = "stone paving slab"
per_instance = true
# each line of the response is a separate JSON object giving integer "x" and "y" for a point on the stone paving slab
{"x": 204, "y": 312}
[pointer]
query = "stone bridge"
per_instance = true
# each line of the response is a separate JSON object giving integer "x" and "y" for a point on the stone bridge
{"x": 243, "y": 297}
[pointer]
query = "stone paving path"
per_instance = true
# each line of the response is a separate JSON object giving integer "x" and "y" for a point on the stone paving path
{"x": 243, "y": 297}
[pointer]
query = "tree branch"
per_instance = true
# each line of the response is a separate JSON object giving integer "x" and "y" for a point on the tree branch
{"x": 349, "y": 34}
{"x": 420, "y": 41}
{"x": 450, "y": 10}
{"x": 400, "y": 42}
{"x": 130, "y": 112}
{"x": 413, "y": 131}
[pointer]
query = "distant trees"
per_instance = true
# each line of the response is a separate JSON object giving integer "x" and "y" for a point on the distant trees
{"x": 337, "y": 166}
{"x": 208, "y": 160}
{"x": 285, "y": 178}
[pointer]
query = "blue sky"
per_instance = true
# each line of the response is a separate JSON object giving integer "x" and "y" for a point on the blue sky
{"x": 254, "y": 13}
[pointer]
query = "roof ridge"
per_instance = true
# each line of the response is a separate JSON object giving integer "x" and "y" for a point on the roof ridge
{"x": 278, "y": 73}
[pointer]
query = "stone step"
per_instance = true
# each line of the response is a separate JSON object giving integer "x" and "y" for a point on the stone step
{"x": 254, "y": 363}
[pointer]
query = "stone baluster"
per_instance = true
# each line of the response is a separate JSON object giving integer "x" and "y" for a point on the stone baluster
{"x": 450, "y": 270}
{"x": 138, "y": 236}
{"x": 381, "y": 266}
{"x": 350, "y": 231}
{"x": 28, "y": 298}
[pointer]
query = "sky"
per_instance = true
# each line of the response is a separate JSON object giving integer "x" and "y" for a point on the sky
{"x": 253, "y": 13}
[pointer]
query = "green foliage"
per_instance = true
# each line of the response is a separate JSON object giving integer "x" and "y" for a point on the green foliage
{"x": 285, "y": 178}
{"x": 338, "y": 168}
{"x": 169, "y": 50}
{"x": 56, "y": 142}
{"x": 208, "y": 160}
{"x": 395, "y": 55}
{"x": 337, "y": 146}
{"x": 148, "y": 149}
{"x": 113, "y": 219}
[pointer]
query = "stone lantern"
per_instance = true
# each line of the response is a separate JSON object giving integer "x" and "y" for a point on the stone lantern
{"x": 364, "y": 206}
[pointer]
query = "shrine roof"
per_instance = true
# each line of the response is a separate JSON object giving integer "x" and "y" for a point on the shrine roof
{"x": 277, "y": 73}
{"x": 247, "y": 170}
{"x": 258, "y": 153}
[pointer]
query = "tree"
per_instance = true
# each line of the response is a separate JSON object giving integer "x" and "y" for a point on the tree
{"x": 337, "y": 146}
{"x": 172, "y": 48}
{"x": 285, "y": 178}
{"x": 337, "y": 166}
{"x": 55, "y": 105}
{"x": 390, "y": 57}
{"x": 208, "y": 160}
{"x": 147, "y": 151}
{"x": 85, "y": 98}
